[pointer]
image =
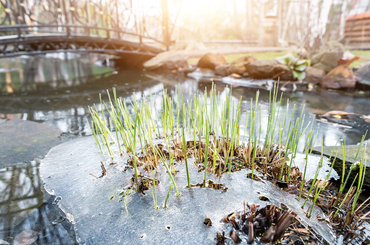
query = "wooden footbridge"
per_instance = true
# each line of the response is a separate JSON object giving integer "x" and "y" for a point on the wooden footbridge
{"x": 35, "y": 27}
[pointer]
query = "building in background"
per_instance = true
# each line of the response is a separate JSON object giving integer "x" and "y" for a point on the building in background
{"x": 357, "y": 31}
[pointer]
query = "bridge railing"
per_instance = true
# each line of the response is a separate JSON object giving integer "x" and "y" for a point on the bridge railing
{"x": 24, "y": 31}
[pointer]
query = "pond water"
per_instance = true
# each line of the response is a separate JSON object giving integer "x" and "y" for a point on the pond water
{"x": 57, "y": 91}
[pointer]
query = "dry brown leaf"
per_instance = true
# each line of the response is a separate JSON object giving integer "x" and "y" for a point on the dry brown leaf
{"x": 339, "y": 113}
{"x": 26, "y": 237}
{"x": 302, "y": 230}
{"x": 234, "y": 75}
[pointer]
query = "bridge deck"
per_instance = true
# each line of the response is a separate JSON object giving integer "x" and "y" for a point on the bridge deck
{"x": 35, "y": 40}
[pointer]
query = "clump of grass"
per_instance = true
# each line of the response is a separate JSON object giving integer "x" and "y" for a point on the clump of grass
{"x": 211, "y": 123}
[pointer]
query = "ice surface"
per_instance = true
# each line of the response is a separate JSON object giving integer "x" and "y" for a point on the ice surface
{"x": 313, "y": 162}
{"x": 100, "y": 220}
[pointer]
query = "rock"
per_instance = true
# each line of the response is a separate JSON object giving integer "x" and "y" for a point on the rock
{"x": 327, "y": 58}
{"x": 188, "y": 70}
{"x": 340, "y": 77}
{"x": 170, "y": 60}
{"x": 176, "y": 62}
{"x": 222, "y": 70}
{"x": 314, "y": 75}
{"x": 364, "y": 77}
{"x": 351, "y": 151}
{"x": 244, "y": 59}
{"x": 264, "y": 69}
{"x": 285, "y": 75}
{"x": 211, "y": 60}
{"x": 239, "y": 66}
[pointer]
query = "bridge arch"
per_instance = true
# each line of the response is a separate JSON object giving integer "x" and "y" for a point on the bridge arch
{"x": 44, "y": 26}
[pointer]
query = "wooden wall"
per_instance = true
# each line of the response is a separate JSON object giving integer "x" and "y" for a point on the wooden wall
{"x": 357, "y": 31}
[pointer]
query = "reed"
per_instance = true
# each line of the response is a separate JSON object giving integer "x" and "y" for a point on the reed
{"x": 167, "y": 168}
{"x": 353, "y": 165}
{"x": 167, "y": 196}
{"x": 317, "y": 172}
{"x": 361, "y": 178}
{"x": 133, "y": 150}
{"x": 206, "y": 154}
{"x": 309, "y": 137}
{"x": 185, "y": 156}
{"x": 346, "y": 196}
{"x": 315, "y": 182}
{"x": 319, "y": 187}
{"x": 96, "y": 139}
{"x": 214, "y": 122}
{"x": 154, "y": 189}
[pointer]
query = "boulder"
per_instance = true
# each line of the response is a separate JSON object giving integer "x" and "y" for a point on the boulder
{"x": 264, "y": 69}
{"x": 340, "y": 77}
{"x": 314, "y": 75}
{"x": 188, "y": 70}
{"x": 327, "y": 58}
{"x": 176, "y": 62}
{"x": 239, "y": 66}
{"x": 211, "y": 60}
{"x": 364, "y": 77}
{"x": 285, "y": 75}
{"x": 170, "y": 60}
{"x": 222, "y": 70}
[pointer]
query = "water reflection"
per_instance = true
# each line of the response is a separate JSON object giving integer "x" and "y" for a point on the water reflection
{"x": 29, "y": 74}
{"x": 58, "y": 91}
{"x": 24, "y": 216}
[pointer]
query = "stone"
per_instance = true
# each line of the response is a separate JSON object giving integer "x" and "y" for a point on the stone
{"x": 222, "y": 70}
{"x": 327, "y": 58}
{"x": 265, "y": 69}
{"x": 285, "y": 75}
{"x": 176, "y": 62}
{"x": 25, "y": 140}
{"x": 211, "y": 60}
{"x": 170, "y": 60}
{"x": 239, "y": 66}
{"x": 188, "y": 70}
{"x": 338, "y": 78}
{"x": 364, "y": 77}
{"x": 314, "y": 75}
{"x": 351, "y": 151}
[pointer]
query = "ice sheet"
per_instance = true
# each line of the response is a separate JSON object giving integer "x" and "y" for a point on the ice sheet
{"x": 100, "y": 220}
